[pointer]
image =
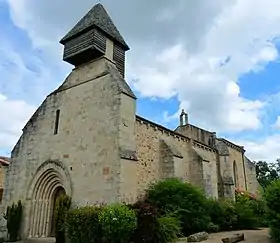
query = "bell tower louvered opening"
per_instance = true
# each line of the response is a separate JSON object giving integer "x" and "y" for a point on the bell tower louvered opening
{"x": 95, "y": 35}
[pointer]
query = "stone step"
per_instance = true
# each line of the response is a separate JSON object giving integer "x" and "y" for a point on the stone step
{"x": 39, "y": 240}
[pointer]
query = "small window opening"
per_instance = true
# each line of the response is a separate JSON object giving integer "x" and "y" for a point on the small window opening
{"x": 56, "y": 122}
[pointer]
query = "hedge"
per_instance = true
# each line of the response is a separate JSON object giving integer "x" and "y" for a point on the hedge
{"x": 169, "y": 209}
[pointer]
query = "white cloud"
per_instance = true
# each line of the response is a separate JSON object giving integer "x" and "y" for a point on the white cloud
{"x": 277, "y": 123}
{"x": 14, "y": 115}
{"x": 174, "y": 53}
{"x": 266, "y": 149}
{"x": 26, "y": 77}
{"x": 208, "y": 90}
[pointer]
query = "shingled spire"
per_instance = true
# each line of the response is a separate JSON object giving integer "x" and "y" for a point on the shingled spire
{"x": 93, "y": 36}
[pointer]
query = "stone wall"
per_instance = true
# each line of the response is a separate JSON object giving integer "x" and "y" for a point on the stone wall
{"x": 237, "y": 156}
{"x": 163, "y": 153}
{"x": 90, "y": 142}
{"x": 252, "y": 183}
{"x": 230, "y": 154}
{"x": 87, "y": 136}
{"x": 196, "y": 133}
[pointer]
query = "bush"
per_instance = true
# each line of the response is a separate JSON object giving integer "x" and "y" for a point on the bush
{"x": 117, "y": 223}
{"x": 239, "y": 215}
{"x": 260, "y": 211}
{"x": 147, "y": 222}
{"x": 272, "y": 197}
{"x": 62, "y": 206}
{"x": 13, "y": 217}
{"x": 168, "y": 229}
{"x": 213, "y": 228}
{"x": 223, "y": 215}
{"x": 83, "y": 225}
{"x": 185, "y": 201}
{"x": 246, "y": 218}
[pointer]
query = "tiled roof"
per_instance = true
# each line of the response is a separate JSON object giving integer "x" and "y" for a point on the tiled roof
{"x": 4, "y": 160}
{"x": 98, "y": 17}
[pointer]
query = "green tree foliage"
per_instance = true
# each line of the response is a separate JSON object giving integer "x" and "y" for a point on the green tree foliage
{"x": 62, "y": 206}
{"x": 267, "y": 172}
{"x": 13, "y": 217}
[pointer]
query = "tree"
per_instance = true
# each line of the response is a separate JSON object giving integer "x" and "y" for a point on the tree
{"x": 267, "y": 172}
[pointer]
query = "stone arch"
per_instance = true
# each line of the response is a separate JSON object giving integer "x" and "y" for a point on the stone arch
{"x": 49, "y": 177}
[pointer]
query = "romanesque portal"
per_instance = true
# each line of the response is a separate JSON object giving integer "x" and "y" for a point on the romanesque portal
{"x": 50, "y": 181}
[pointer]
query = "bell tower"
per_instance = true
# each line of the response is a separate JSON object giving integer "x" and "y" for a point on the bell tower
{"x": 95, "y": 35}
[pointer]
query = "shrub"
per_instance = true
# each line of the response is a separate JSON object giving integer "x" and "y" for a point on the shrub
{"x": 13, "y": 217}
{"x": 182, "y": 199}
{"x": 260, "y": 211}
{"x": 213, "y": 228}
{"x": 151, "y": 227}
{"x": 168, "y": 229}
{"x": 223, "y": 215}
{"x": 117, "y": 223}
{"x": 246, "y": 218}
{"x": 83, "y": 225}
{"x": 272, "y": 197}
{"x": 147, "y": 222}
{"x": 62, "y": 206}
{"x": 242, "y": 214}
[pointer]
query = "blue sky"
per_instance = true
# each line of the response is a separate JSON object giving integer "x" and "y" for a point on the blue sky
{"x": 239, "y": 99}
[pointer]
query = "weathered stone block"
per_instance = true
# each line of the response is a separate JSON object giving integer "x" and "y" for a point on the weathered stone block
{"x": 201, "y": 236}
{"x": 3, "y": 229}
{"x": 234, "y": 239}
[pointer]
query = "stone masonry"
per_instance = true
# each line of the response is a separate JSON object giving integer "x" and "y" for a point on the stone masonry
{"x": 85, "y": 139}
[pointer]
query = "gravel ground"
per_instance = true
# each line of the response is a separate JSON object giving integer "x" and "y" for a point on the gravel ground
{"x": 251, "y": 236}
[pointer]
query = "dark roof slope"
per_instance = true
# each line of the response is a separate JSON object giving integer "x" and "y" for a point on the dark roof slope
{"x": 99, "y": 17}
{"x": 4, "y": 160}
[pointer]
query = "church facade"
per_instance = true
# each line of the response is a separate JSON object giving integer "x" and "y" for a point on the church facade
{"x": 85, "y": 140}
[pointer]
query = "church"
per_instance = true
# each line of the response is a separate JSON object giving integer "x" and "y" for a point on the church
{"x": 86, "y": 140}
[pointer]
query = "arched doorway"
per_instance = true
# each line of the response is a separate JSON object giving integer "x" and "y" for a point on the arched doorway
{"x": 58, "y": 193}
{"x": 49, "y": 182}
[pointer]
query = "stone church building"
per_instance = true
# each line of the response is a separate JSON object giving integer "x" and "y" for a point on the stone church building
{"x": 85, "y": 139}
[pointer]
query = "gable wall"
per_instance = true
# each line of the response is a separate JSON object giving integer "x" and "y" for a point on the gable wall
{"x": 87, "y": 141}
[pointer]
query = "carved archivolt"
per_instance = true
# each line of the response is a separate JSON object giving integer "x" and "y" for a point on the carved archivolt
{"x": 49, "y": 177}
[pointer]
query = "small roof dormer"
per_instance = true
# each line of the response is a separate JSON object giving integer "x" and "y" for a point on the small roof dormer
{"x": 95, "y": 35}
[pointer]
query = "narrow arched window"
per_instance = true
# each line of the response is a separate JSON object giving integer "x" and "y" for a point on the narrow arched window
{"x": 56, "y": 122}
{"x": 235, "y": 174}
